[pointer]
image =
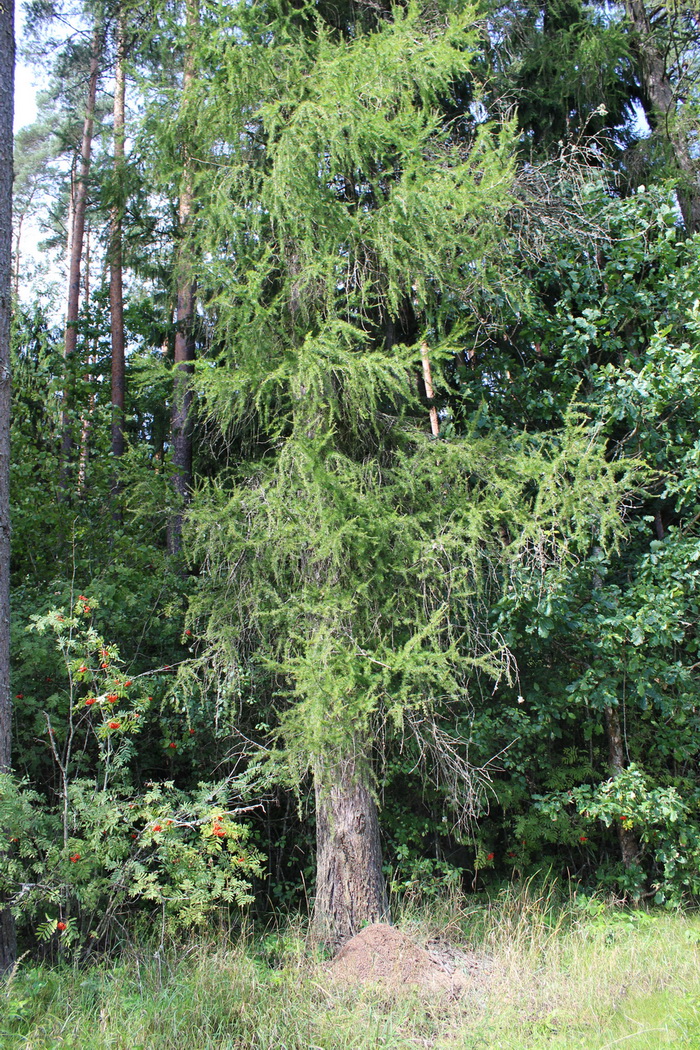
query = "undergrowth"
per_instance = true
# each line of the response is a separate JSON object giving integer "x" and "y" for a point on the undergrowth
{"x": 579, "y": 973}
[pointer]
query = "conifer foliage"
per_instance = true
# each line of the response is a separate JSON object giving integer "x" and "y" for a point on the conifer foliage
{"x": 343, "y": 229}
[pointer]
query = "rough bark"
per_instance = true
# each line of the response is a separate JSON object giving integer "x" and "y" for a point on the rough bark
{"x": 181, "y": 420}
{"x": 77, "y": 230}
{"x": 350, "y": 888}
{"x": 116, "y": 291}
{"x": 660, "y": 104}
{"x": 629, "y": 846}
{"x": 7, "y": 66}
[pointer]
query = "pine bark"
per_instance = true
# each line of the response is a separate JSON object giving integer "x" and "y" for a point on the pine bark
{"x": 89, "y": 411}
{"x": 181, "y": 419}
{"x": 7, "y": 66}
{"x": 350, "y": 887}
{"x": 660, "y": 106}
{"x": 77, "y": 231}
{"x": 116, "y": 289}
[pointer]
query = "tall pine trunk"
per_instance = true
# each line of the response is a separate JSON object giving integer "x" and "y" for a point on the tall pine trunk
{"x": 7, "y": 71}
{"x": 89, "y": 410}
{"x": 660, "y": 105}
{"x": 76, "y": 235}
{"x": 350, "y": 887}
{"x": 181, "y": 420}
{"x": 17, "y": 254}
{"x": 116, "y": 292}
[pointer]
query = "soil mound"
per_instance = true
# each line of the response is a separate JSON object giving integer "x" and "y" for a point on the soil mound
{"x": 383, "y": 955}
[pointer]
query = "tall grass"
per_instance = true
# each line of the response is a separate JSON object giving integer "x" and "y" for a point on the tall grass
{"x": 551, "y": 973}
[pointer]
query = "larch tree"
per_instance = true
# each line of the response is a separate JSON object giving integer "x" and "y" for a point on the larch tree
{"x": 7, "y": 73}
{"x": 344, "y": 231}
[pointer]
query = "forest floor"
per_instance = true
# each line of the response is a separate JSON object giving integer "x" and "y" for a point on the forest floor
{"x": 520, "y": 973}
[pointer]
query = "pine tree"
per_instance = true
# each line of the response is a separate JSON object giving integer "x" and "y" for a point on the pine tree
{"x": 568, "y": 69}
{"x": 665, "y": 40}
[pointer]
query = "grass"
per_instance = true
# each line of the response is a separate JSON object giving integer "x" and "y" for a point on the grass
{"x": 579, "y": 974}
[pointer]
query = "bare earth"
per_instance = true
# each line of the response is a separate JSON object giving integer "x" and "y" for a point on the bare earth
{"x": 381, "y": 954}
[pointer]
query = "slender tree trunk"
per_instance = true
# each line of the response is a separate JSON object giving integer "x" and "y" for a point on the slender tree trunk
{"x": 629, "y": 846}
{"x": 18, "y": 220}
{"x": 429, "y": 391}
{"x": 660, "y": 106}
{"x": 350, "y": 888}
{"x": 617, "y": 759}
{"x": 7, "y": 72}
{"x": 116, "y": 297}
{"x": 86, "y": 419}
{"x": 17, "y": 256}
{"x": 69, "y": 224}
{"x": 85, "y": 427}
{"x": 77, "y": 231}
{"x": 181, "y": 423}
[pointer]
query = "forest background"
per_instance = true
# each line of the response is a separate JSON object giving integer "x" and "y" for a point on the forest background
{"x": 355, "y": 454}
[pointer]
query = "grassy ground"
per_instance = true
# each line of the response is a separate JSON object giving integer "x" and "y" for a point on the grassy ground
{"x": 580, "y": 975}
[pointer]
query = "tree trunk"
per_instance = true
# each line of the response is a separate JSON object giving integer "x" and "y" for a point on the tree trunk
{"x": 77, "y": 231}
{"x": 7, "y": 67}
{"x": 660, "y": 107}
{"x": 181, "y": 422}
{"x": 350, "y": 888}
{"x": 429, "y": 391}
{"x": 17, "y": 256}
{"x": 89, "y": 411}
{"x": 116, "y": 296}
{"x": 69, "y": 225}
{"x": 629, "y": 846}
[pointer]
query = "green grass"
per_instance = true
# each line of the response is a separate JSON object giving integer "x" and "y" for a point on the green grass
{"x": 562, "y": 976}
